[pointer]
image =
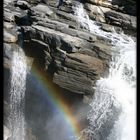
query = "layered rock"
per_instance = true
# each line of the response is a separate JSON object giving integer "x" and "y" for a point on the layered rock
{"x": 106, "y": 12}
{"x": 119, "y": 5}
{"x": 78, "y": 57}
{"x": 78, "y": 73}
{"x": 67, "y": 52}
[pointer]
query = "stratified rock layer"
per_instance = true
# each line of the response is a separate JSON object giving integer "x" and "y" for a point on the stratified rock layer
{"x": 77, "y": 57}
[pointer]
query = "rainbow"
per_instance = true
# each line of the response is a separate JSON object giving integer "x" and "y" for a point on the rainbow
{"x": 58, "y": 101}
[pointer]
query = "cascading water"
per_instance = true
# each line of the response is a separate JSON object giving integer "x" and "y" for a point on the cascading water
{"x": 113, "y": 114}
{"x": 17, "y": 93}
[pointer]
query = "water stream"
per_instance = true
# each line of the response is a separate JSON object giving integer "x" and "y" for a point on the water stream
{"x": 113, "y": 114}
{"x": 17, "y": 93}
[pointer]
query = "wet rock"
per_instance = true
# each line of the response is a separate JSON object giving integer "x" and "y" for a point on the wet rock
{"x": 120, "y": 19}
{"x": 65, "y": 16}
{"x": 81, "y": 71}
{"x": 104, "y": 3}
{"x": 58, "y": 30}
{"x": 9, "y": 37}
{"x": 107, "y": 28}
{"x": 41, "y": 8}
{"x": 8, "y": 48}
{"x": 86, "y": 36}
{"x": 49, "y": 25}
{"x": 95, "y": 12}
{"x": 16, "y": 15}
{"x": 66, "y": 9}
{"x": 8, "y": 25}
{"x": 8, "y": 53}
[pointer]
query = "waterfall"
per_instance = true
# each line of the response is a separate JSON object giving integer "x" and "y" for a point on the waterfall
{"x": 113, "y": 114}
{"x": 17, "y": 93}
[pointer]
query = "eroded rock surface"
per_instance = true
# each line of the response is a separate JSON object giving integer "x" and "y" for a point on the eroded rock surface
{"x": 78, "y": 57}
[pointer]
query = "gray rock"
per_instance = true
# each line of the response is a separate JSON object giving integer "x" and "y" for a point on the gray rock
{"x": 41, "y": 8}
{"x": 50, "y": 2}
{"x": 68, "y": 31}
{"x": 16, "y": 15}
{"x": 10, "y": 37}
{"x": 104, "y": 3}
{"x": 9, "y": 16}
{"x": 72, "y": 83}
{"x": 8, "y": 25}
{"x": 66, "y": 16}
{"x": 95, "y": 12}
{"x": 66, "y": 9}
{"x": 86, "y": 36}
{"x": 80, "y": 73}
{"x": 120, "y": 19}
{"x": 48, "y": 21}
{"x": 49, "y": 25}
{"x": 57, "y": 39}
{"x": 8, "y": 48}
{"x": 107, "y": 28}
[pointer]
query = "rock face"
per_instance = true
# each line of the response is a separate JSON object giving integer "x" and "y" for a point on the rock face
{"x": 78, "y": 73}
{"x": 75, "y": 57}
{"x": 59, "y": 46}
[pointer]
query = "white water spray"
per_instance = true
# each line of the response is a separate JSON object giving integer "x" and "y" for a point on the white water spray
{"x": 17, "y": 93}
{"x": 115, "y": 96}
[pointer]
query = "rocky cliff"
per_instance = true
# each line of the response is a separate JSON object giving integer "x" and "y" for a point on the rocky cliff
{"x": 59, "y": 45}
